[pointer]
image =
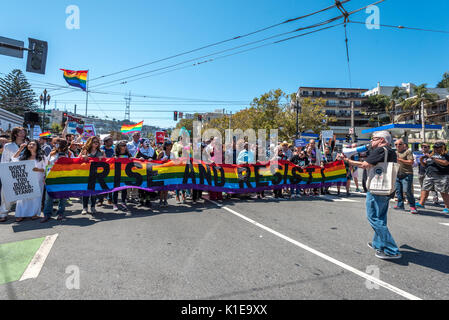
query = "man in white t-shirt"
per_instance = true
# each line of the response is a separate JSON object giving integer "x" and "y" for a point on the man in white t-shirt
{"x": 134, "y": 144}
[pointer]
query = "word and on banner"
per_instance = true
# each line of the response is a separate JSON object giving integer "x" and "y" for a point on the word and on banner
{"x": 21, "y": 180}
{"x": 78, "y": 177}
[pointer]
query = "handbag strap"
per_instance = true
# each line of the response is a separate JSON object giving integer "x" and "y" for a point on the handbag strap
{"x": 386, "y": 154}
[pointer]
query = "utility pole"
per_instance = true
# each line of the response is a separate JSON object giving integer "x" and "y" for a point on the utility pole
{"x": 297, "y": 105}
{"x": 352, "y": 123}
{"x": 74, "y": 110}
{"x": 230, "y": 119}
{"x": 423, "y": 123}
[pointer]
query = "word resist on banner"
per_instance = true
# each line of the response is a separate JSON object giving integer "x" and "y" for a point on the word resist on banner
{"x": 19, "y": 181}
{"x": 77, "y": 177}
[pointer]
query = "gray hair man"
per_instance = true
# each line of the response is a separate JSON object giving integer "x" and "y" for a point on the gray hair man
{"x": 376, "y": 205}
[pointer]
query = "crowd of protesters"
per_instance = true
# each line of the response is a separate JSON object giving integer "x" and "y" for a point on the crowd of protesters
{"x": 433, "y": 169}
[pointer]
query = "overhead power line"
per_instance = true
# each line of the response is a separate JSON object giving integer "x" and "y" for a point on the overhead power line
{"x": 400, "y": 27}
{"x": 221, "y": 42}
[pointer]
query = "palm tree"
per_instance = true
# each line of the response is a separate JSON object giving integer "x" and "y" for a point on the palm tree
{"x": 397, "y": 97}
{"x": 422, "y": 97}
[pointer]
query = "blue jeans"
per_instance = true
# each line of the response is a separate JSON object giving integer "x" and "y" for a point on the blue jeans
{"x": 376, "y": 212}
{"x": 405, "y": 183}
{"x": 48, "y": 206}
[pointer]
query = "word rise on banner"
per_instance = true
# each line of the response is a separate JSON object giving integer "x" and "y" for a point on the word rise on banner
{"x": 78, "y": 177}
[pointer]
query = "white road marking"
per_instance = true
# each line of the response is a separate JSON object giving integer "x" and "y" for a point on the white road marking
{"x": 36, "y": 264}
{"x": 445, "y": 224}
{"x": 322, "y": 255}
{"x": 337, "y": 199}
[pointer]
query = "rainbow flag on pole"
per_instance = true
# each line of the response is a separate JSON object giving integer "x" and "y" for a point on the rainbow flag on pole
{"x": 76, "y": 78}
{"x": 45, "y": 134}
{"x": 129, "y": 128}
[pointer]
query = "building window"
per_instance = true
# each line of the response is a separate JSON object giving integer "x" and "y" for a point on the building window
{"x": 316, "y": 93}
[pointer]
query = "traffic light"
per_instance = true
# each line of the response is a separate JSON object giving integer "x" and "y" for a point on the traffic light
{"x": 348, "y": 138}
{"x": 175, "y": 116}
{"x": 37, "y": 56}
{"x": 355, "y": 138}
{"x": 200, "y": 117}
{"x": 64, "y": 119}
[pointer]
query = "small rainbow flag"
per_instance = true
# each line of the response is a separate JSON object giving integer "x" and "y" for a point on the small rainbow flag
{"x": 45, "y": 134}
{"x": 76, "y": 78}
{"x": 129, "y": 128}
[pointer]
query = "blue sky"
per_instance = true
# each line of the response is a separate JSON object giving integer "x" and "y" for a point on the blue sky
{"x": 115, "y": 35}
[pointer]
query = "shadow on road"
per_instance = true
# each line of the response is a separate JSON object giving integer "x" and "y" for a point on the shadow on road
{"x": 431, "y": 260}
{"x": 74, "y": 218}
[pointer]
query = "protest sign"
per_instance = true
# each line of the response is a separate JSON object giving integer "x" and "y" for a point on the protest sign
{"x": 36, "y": 132}
{"x": 19, "y": 181}
{"x": 88, "y": 131}
{"x": 160, "y": 136}
{"x": 300, "y": 142}
{"x": 78, "y": 177}
{"x": 74, "y": 127}
{"x": 327, "y": 134}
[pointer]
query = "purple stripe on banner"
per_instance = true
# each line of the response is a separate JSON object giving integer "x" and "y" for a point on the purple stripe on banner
{"x": 85, "y": 193}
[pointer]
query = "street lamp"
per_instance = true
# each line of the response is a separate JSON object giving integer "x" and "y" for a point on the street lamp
{"x": 45, "y": 99}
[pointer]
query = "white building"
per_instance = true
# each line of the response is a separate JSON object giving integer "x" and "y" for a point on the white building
{"x": 409, "y": 87}
{"x": 9, "y": 120}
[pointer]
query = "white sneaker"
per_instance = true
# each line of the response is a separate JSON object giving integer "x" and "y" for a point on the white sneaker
{"x": 84, "y": 212}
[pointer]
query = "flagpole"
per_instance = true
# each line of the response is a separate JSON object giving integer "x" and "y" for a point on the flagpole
{"x": 87, "y": 90}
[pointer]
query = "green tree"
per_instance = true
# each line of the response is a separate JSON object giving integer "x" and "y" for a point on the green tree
{"x": 56, "y": 128}
{"x": 376, "y": 106}
{"x": 444, "y": 83}
{"x": 398, "y": 96}
{"x": 187, "y": 123}
{"x": 422, "y": 96}
{"x": 16, "y": 94}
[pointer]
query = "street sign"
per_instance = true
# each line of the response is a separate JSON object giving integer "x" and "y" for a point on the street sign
{"x": 11, "y": 47}
{"x": 43, "y": 111}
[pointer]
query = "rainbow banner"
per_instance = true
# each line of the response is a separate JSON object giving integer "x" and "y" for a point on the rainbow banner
{"x": 78, "y": 177}
{"x": 130, "y": 128}
{"x": 45, "y": 134}
{"x": 76, "y": 78}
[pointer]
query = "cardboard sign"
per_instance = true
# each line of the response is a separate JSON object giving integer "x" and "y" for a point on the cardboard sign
{"x": 21, "y": 180}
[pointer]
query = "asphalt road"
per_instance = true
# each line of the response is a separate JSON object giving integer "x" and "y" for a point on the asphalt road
{"x": 308, "y": 248}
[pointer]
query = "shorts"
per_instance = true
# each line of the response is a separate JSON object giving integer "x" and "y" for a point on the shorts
{"x": 438, "y": 183}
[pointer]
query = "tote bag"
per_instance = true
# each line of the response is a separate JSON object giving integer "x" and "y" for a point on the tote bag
{"x": 382, "y": 177}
